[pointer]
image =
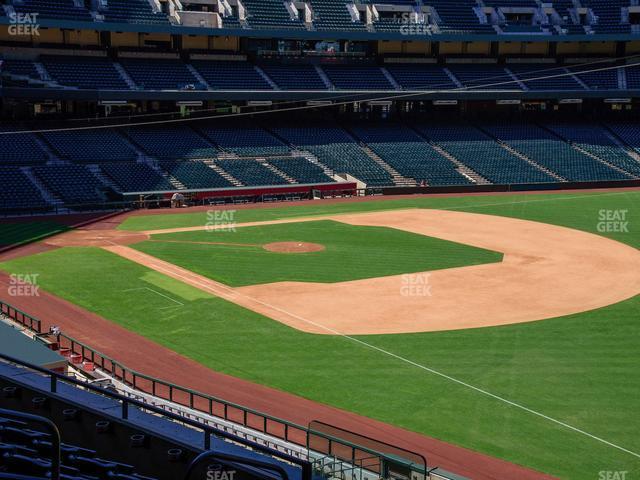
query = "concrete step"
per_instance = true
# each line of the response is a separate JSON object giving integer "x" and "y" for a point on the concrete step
{"x": 223, "y": 173}
{"x": 277, "y": 171}
{"x": 47, "y": 194}
{"x": 398, "y": 179}
{"x": 125, "y": 76}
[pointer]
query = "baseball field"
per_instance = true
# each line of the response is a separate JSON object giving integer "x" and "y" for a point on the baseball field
{"x": 505, "y": 324}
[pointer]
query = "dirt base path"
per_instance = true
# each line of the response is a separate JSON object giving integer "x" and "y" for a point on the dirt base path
{"x": 547, "y": 272}
{"x": 145, "y": 356}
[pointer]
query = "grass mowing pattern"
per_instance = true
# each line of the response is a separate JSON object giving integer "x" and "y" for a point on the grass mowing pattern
{"x": 581, "y": 369}
{"x": 352, "y": 252}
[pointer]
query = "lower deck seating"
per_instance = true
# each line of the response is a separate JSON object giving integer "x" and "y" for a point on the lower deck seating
{"x": 86, "y": 166}
{"x": 17, "y": 193}
{"x": 25, "y": 68}
{"x": 176, "y": 142}
{"x": 553, "y": 153}
{"x": 136, "y": 177}
{"x": 74, "y": 184}
{"x": 25, "y": 451}
{"x": 406, "y": 152}
{"x": 628, "y": 132}
{"x": 90, "y": 146}
{"x": 482, "y": 154}
{"x": 596, "y": 140}
{"x": 338, "y": 151}
{"x": 19, "y": 148}
{"x": 243, "y": 139}
{"x": 251, "y": 172}
{"x": 195, "y": 174}
{"x": 301, "y": 170}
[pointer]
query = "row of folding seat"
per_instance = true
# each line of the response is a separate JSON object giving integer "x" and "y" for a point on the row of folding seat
{"x": 554, "y": 154}
{"x": 165, "y": 74}
{"x": 18, "y": 193}
{"x": 482, "y": 154}
{"x": 24, "y": 451}
{"x": 251, "y": 172}
{"x": 301, "y": 169}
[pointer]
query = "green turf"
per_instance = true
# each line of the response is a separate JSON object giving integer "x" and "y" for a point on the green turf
{"x": 17, "y": 233}
{"x": 469, "y": 203}
{"x": 351, "y": 252}
{"x": 581, "y": 369}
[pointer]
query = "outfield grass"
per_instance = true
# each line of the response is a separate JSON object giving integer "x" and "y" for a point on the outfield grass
{"x": 581, "y": 369}
{"x": 351, "y": 252}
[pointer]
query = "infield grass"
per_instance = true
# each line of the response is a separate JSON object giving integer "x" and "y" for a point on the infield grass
{"x": 581, "y": 369}
{"x": 351, "y": 253}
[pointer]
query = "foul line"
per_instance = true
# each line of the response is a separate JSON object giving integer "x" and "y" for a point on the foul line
{"x": 402, "y": 359}
{"x": 450, "y": 378}
{"x": 156, "y": 292}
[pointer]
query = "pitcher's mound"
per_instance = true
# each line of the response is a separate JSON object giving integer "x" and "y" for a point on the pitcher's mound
{"x": 293, "y": 247}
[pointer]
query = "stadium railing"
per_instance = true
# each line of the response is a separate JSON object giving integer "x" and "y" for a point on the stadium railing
{"x": 366, "y": 457}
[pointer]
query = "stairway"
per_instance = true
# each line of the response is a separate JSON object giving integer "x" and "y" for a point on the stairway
{"x": 390, "y": 78}
{"x": 461, "y": 168}
{"x": 324, "y": 78}
{"x": 453, "y": 78}
{"x": 398, "y": 179}
{"x": 125, "y": 76}
{"x": 266, "y": 77}
{"x": 601, "y": 160}
{"x": 276, "y": 170}
{"x": 311, "y": 158}
{"x": 48, "y": 195}
{"x": 521, "y": 156}
{"x": 100, "y": 175}
{"x": 618, "y": 141}
{"x": 197, "y": 75}
{"x": 519, "y": 83}
{"x": 46, "y": 147}
{"x": 223, "y": 173}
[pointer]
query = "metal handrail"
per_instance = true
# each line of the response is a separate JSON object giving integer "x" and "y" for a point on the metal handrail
{"x": 53, "y": 431}
{"x": 131, "y": 378}
{"x": 234, "y": 458}
{"x": 127, "y": 403}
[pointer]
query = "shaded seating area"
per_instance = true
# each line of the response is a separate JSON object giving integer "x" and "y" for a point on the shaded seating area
{"x": 251, "y": 172}
{"x": 194, "y": 174}
{"x": 74, "y": 184}
{"x": 136, "y": 177}
{"x": 301, "y": 169}
{"x": 551, "y": 152}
